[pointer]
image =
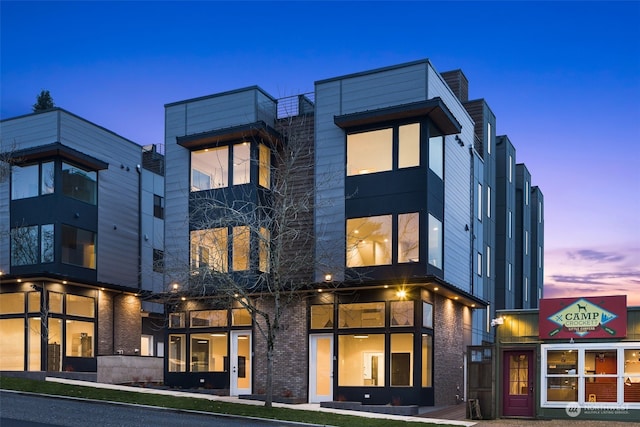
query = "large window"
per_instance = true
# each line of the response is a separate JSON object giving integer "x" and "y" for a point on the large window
{"x": 208, "y": 318}
{"x": 32, "y": 180}
{"x": 208, "y": 352}
{"x": 210, "y": 168}
{"x": 177, "y": 353}
{"x": 361, "y": 360}
{"x": 369, "y": 241}
{"x": 402, "y": 360}
{"x": 78, "y": 247}
{"x": 241, "y": 240}
{"x": 24, "y": 181}
{"x": 369, "y": 152}
{"x": 373, "y": 151}
{"x": 591, "y": 374}
{"x": 79, "y": 184}
{"x": 427, "y": 360}
{"x": 241, "y": 163}
{"x": 322, "y": 316}
{"x": 28, "y": 249}
{"x": 209, "y": 249}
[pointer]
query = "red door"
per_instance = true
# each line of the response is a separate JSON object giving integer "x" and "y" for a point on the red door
{"x": 518, "y": 379}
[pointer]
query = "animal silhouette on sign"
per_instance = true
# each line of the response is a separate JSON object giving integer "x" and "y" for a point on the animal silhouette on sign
{"x": 581, "y": 308}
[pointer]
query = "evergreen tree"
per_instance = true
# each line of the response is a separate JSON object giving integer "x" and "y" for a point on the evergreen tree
{"x": 44, "y": 101}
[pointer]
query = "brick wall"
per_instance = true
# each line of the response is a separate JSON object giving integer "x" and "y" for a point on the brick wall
{"x": 290, "y": 353}
{"x": 127, "y": 324}
{"x": 105, "y": 324}
{"x": 449, "y": 347}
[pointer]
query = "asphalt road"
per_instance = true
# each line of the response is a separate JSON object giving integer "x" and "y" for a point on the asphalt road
{"x": 30, "y": 410}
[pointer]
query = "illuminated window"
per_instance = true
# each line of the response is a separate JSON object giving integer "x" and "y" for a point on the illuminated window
{"x": 209, "y": 168}
{"x": 240, "y": 317}
{"x": 427, "y": 360}
{"x": 209, "y": 249}
{"x": 177, "y": 353}
{"x": 409, "y": 145}
{"x": 264, "y": 243}
{"x": 369, "y": 241}
{"x": 240, "y": 238}
{"x": 264, "y": 166}
{"x": 79, "y": 341}
{"x": 361, "y": 315}
{"x": 409, "y": 237}
{"x": 361, "y": 360}
{"x": 208, "y": 318}
{"x": 369, "y": 152}
{"x": 322, "y": 316}
{"x": 402, "y": 360}
{"x": 80, "y": 306}
{"x": 402, "y": 313}
{"x": 208, "y": 352}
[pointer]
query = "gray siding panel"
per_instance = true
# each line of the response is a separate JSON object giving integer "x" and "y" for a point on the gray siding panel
{"x": 118, "y": 205}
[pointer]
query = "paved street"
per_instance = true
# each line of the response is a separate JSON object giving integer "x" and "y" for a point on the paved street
{"x": 28, "y": 410}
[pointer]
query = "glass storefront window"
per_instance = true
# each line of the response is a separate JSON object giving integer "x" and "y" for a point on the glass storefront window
{"x": 55, "y": 302}
{"x": 600, "y": 367}
{"x": 369, "y": 241}
{"x": 208, "y": 318}
{"x": 369, "y": 152}
{"x": 79, "y": 338}
{"x": 54, "y": 345}
{"x": 33, "y": 301}
{"x": 12, "y": 303}
{"x": 176, "y": 320}
{"x": 80, "y": 306}
{"x": 427, "y": 315}
{"x": 240, "y": 317}
{"x": 264, "y": 253}
{"x": 34, "y": 343}
{"x": 177, "y": 353}
{"x": 361, "y": 360}
{"x": 427, "y": 360}
{"x": 79, "y": 184}
{"x": 401, "y": 360}
{"x": 12, "y": 348}
{"x": 361, "y": 315}
{"x": 402, "y": 313}
{"x": 632, "y": 375}
{"x": 208, "y": 352}
{"x": 322, "y": 316}
{"x": 562, "y": 378}
{"x": 409, "y": 237}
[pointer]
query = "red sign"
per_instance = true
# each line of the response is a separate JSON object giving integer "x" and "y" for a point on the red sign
{"x": 588, "y": 317}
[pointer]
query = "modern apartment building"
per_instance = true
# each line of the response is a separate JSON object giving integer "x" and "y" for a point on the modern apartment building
{"x": 80, "y": 222}
{"x": 419, "y": 218}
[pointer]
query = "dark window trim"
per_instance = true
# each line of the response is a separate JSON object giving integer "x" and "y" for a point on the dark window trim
{"x": 58, "y": 150}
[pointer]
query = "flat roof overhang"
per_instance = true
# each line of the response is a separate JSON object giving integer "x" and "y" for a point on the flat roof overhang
{"x": 52, "y": 277}
{"x": 434, "y": 108}
{"x": 251, "y": 131}
{"x": 58, "y": 150}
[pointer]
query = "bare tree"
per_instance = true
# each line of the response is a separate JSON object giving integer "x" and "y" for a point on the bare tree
{"x": 271, "y": 239}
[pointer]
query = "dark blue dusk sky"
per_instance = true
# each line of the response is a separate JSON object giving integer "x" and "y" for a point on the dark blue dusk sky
{"x": 563, "y": 79}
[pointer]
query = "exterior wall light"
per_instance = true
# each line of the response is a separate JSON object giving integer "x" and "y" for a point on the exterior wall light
{"x": 497, "y": 322}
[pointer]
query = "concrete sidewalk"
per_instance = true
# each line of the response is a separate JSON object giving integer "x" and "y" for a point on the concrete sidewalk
{"x": 302, "y": 406}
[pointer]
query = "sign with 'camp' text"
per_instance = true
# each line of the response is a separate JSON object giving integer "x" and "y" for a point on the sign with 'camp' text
{"x": 587, "y": 317}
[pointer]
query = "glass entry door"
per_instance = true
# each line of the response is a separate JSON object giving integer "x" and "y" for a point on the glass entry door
{"x": 320, "y": 368}
{"x": 240, "y": 365}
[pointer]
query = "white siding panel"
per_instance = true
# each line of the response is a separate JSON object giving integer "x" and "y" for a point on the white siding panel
{"x": 29, "y": 131}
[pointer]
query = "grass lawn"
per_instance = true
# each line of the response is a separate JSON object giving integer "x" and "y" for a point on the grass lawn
{"x": 189, "y": 403}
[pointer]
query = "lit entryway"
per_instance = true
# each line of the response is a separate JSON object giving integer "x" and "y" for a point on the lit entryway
{"x": 240, "y": 363}
{"x": 320, "y": 368}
